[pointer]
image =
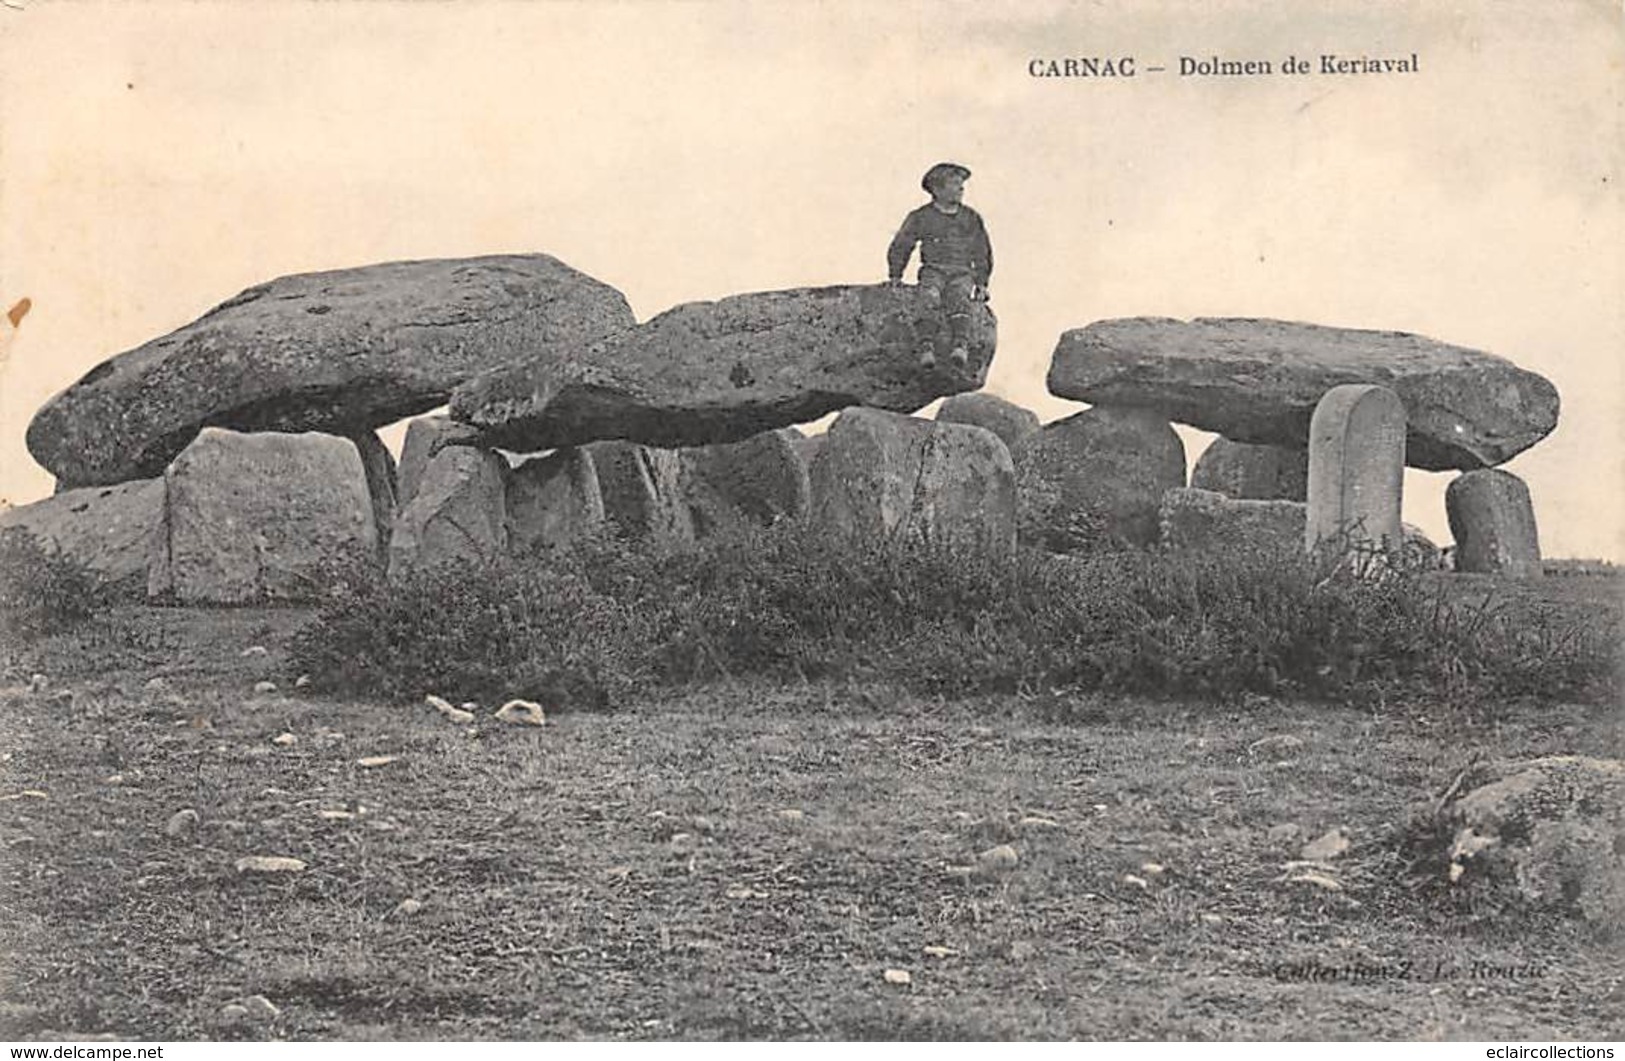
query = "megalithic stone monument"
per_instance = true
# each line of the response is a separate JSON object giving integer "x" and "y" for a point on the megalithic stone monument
{"x": 1356, "y": 467}
{"x": 1493, "y": 522}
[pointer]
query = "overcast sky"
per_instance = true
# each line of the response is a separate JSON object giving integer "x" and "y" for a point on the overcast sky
{"x": 157, "y": 158}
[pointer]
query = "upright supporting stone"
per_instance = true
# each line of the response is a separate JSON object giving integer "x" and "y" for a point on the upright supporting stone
{"x": 642, "y": 491}
{"x": 1356, "y": 467}
{"x": 762, "y": 480}
{"x": 425, "y": 437}
{"x": 457, "y": 514}
{"x": 886, "y": 476}
{"x": 1493, "y": 522}
{"x": 379, "y": 465}
{"x": 1252, "y": 473}
{"x": 1009, "y": 421}
{"x": 553, "y": 501}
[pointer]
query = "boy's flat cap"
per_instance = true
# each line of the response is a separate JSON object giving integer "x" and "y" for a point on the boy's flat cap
{"x": 943, "y": 169}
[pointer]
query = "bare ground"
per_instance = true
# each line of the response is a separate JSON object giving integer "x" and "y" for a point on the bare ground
{"x": 740, "y": 861}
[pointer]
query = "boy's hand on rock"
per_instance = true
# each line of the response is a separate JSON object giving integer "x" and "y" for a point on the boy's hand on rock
{"x": 979, "y": 293}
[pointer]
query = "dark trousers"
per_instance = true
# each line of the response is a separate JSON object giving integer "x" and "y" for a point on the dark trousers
{"x": 950, "y": 291}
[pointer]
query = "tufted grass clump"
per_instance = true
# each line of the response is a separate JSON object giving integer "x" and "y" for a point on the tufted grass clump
{"x": 41, "y": 591}
{"x": 789, "y": 602}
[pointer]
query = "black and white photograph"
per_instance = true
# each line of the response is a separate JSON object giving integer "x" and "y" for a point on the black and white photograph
{"x": 828, "y": 521}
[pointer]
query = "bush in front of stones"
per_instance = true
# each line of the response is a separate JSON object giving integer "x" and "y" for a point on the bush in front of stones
{"x": 607, "y": 617}
{"x": 41, "y": 591}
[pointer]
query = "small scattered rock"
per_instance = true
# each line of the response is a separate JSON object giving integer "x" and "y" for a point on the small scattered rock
{"x": 302, "y": 681}
{"x": 940, "y": 952}
{"x": 260, "y": 1008}
{"x": 898, "y": 976}
{"x": 1139, "y": 882}
{"x": 1213, "y": 919}
{"x": 521, "y": 713}
{"x": 115, "y": 779}
{"x": 1035, "y": 822}
{"x": 997, "y": 858}
{"x": 1326, "y": 848}
{"x": 335, "y": 815}
{"x": 38, "y": 683}
{"x": 233, "y": 1013}
{"x": 265, "y": 687}
{"x": 1317, "y": 879}
{"x": 791, "y": 814}
{"x": 1153, "y": 869}
{"x": 742, "y": 891}
{"x": 269, "y": 864}
{"x": 369, "y": 762}
{"x": 459, "y": 715}
{"x": 286, "y": 740}
{"x": 408, "y": 907}
{"x": 254, "y": 650}
{"x": 181, "y": 823}
{"x": 1283, "y": 832}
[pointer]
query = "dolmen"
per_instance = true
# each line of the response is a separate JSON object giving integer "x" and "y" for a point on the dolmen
{"x": 205, "y": 455}
{"x": 1327, "y": 418}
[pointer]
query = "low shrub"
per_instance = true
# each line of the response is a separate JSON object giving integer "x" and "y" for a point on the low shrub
{"x": 41, "y": 591}
{"x": 792, "y": 603}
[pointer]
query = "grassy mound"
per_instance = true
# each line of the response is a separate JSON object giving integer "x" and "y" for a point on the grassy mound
{"x": 590, "y": 625}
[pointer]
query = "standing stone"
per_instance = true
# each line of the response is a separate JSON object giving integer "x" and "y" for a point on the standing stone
{"x": 264, "y": 517}
{"x": 1493, "y": 522}
{"x": 760, "y": 480}
{"x": 458, "y": 512}
{"x": 341, "y": 352}
{"x": 1208, "y": 521}
{"x": 884, "y": 475}
{"x": 1253, "y": 472}
{"x": 1097, "y": 477}
{"x": 381, "y": 484}
{"x": 109, "y": 530}
{"x": 553, "y": 501}
{"x": 425, "y": 437}
{"x": 1006, "y": 419}
{"x": 642, "y": 490}
{"x": 1356, "y": 467}
{"x": 809, "y": 448}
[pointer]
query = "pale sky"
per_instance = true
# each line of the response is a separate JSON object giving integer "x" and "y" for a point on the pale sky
{"x": 157, "y": 158}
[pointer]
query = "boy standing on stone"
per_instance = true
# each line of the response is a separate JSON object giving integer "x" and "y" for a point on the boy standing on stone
{"x": 956, "y": 258}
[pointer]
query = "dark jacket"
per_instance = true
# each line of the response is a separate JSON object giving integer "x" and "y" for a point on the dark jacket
{"x": 954, "y": 243}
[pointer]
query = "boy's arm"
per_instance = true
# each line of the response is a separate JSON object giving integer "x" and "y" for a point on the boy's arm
{"x": 902, "y": 247}
{"x": 983, "y": 268}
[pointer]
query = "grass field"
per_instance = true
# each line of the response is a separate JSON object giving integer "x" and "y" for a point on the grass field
{"x": 740, "y": 860}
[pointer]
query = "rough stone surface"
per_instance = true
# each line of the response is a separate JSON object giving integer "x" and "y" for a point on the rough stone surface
{"x": 1356, "y": 467}
{"x": 883, "y": 475}
{"x": 1493, "y": 522}
{"x": 553, "y": 501}
{"x": 709, "y": 372}
{"x": 342, "y": 351}
{"x": 262, "y": 517}
{"x": 110, "y": 530}
{"x": 1209, "y": 521}
{"x": 425, "y": 437}
{"x": 642, "y": 489}
{"x": 1097, "y": 477}
{"x": 1250, "y": 472}
{"x": 761, "y": 480}
{"x": 458, "y": 513}
{"x": 809, "y": 448}
{"x": 379, "y": 465}
{"x": 1004, "y": 418}
{"x": 1552, "y": 828}
{"x": 1259, "y": 380}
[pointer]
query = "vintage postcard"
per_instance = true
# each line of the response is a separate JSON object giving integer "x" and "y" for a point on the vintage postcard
{"x": 773, "y": 790}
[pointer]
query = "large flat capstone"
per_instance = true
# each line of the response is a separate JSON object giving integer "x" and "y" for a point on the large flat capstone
{"x": 712, "y": 372}
{"x": 339, "y": 352}
{"x": 1258, "y": 381}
